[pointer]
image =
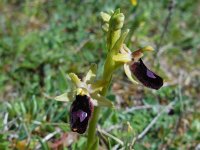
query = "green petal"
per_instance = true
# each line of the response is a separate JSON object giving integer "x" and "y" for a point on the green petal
{"x": 125, "y": 58}
{"x": 65, "y": 97}
{"x": 74, "y": 78}
{"x": 98, "y": 85}
{"x": 90, "y": 76}
{"x": 128, "y": 73}
{"x": 101, "y": 101}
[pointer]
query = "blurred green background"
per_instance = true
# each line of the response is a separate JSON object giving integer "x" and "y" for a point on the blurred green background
{"x": 43, "y": 40}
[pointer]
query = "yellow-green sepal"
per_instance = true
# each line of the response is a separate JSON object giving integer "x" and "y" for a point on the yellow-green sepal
{"x": 75, "y": 79}
{"x": 124, "y": 58}
{"x": 101, "y": 100}
{"x": 91, "y": 75}
{"x": 128, "y": 73}
{"x": 98, "y": 85}
{"x": 65, "y": 97}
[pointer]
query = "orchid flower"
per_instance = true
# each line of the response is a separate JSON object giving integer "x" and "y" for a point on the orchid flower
{"x": 87, "y": 96}
{"x": 133, "y": 64}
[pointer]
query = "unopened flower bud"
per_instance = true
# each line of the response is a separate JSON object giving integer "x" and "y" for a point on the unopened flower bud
{"x": 105, "y": 17}
{"x": 117, "y": 21}
{"x": 105, "y": 27}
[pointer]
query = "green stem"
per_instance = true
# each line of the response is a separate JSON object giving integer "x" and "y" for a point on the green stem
{"x": 93, "y": 122}
{"x": 92, "y": 128}
{"x": 109, "y": 67}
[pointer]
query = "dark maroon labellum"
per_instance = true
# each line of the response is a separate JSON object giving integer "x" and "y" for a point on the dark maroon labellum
{"x": 146, "y": 76}
{"x": 171, "y": 111}
{"x": 80, "y": 113}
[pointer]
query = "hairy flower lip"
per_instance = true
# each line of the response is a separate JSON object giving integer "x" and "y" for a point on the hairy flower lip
{"x": 147, "y": 77}
{"x": 80, "y": 112}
